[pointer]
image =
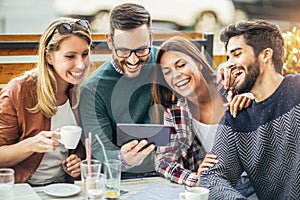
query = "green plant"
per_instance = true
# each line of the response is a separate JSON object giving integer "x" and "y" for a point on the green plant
{"x": 292, "y": 51}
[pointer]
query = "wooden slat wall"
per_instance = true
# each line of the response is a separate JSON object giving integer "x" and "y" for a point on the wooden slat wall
{"x": 9, "y": 70}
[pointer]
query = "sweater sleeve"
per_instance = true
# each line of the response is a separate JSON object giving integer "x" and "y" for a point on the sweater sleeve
{"x": 95, "y": 120}
{"x": 167, "y": 158}
{"x": 221, "y": 178}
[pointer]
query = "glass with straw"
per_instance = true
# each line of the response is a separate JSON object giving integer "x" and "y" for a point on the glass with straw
{"x": 92, "y": 179}
{"x": 112, "y": 173}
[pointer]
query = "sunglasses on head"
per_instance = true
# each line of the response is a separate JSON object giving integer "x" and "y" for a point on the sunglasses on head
{"x": 66, "y": 28}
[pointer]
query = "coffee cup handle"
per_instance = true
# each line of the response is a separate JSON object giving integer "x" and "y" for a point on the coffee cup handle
{"x": 181, "y": 196}
{"x": 60, "y": 139}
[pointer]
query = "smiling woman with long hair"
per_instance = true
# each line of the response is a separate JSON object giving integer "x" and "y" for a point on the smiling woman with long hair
{"x": 193, "y": 102}
{"x": 35, "y": 105}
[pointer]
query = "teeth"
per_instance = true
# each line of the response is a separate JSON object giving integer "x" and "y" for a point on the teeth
{"x": 237, "y": 73}
{"x": 182, "y": 83}
{"x": 76, "y": 74}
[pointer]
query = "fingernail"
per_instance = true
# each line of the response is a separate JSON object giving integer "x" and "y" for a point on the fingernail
{"x": 144, "y": 142}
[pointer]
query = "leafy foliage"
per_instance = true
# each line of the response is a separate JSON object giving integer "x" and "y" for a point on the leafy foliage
{"x": 292, "y": 51}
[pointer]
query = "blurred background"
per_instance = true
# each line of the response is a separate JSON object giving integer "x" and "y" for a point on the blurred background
{"x": 32, "y": 16}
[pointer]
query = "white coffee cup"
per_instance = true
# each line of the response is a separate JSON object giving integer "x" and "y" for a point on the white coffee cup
{"x": 196, "y": 193}
{"x": 70, "y": 136}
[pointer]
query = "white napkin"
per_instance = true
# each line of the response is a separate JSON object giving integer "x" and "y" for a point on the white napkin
{"x": 158, "y": 192}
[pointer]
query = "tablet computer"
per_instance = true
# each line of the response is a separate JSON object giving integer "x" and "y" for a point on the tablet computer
{"x": 156, "y": 134}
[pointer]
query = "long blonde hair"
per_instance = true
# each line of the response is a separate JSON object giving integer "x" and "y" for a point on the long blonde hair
{"x": 43, "y": 74}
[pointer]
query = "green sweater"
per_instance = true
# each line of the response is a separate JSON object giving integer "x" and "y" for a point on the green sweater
{"x": 108, "y": 98}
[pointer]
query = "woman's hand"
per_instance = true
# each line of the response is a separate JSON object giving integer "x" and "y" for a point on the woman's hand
{"x": 72, "y": 165}
{"x": 240, "y": 102}
{"x": 43, "y": 142}
{"x": 209, "y": 161}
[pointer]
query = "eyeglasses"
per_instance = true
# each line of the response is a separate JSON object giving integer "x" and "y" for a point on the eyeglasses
{"x": 126, "y": 53}
{"x": 66, "y": 28}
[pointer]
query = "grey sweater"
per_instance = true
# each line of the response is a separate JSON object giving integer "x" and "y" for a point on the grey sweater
{"x": 264, "y": 140}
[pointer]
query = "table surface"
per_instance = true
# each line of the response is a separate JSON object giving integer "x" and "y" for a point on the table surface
{"x": 132, "y": 186}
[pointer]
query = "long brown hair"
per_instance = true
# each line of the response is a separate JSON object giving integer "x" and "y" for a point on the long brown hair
{"x": 161, "y": 93}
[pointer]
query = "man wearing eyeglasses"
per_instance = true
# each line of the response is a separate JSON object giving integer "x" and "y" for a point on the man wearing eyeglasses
{"x": 120, "y": 90}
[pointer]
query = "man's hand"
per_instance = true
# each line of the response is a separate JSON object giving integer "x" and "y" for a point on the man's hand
{"x": 72, "y": 165}
{"x": 131, "y": 153}
{"x": 224, "y": 75}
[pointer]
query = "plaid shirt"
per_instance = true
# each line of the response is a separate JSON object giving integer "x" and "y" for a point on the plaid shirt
{"x": 180, "y": 160}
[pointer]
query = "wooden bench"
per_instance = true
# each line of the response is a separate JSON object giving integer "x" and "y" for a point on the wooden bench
{"x": 18, "y": 52}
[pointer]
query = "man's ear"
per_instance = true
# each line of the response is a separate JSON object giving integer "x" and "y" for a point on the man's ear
{"x": 109, "y": 41}
{"x": 49, "y": 58}
{"x": 267, "y": 55}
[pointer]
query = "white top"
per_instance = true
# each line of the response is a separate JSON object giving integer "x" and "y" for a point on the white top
{"x": 205, "y": 133}
{"x": 50, "y": 168}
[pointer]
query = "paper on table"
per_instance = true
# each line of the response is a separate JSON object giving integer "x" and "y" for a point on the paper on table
{"x": 24, "y": 191}
{"x": 157, "y": 192}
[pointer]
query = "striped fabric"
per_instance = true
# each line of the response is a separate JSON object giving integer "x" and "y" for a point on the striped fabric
{"x": 264, "y": 140}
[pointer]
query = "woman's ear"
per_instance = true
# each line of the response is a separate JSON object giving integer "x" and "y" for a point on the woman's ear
{"x": 199, "y": 65}
{"x": 49, "y": 58}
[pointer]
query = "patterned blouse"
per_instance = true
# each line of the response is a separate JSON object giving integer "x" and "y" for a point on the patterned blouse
{"x": 180, "y": 160}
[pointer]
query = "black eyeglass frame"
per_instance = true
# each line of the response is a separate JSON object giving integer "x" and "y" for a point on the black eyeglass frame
{"x": 130, "y": 51}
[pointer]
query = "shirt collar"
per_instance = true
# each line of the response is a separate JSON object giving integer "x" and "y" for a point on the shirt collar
{"x": 116, "y": 67}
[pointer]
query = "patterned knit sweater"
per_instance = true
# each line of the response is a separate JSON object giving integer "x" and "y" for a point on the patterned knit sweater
{"x": 264, "y": 140}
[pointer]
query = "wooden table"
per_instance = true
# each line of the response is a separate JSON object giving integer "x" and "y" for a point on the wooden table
{"x": 132, "y": 186}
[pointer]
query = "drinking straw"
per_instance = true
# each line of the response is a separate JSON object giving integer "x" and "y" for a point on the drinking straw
{"x": 87, "y": 151}
{"x": 108, "y": 167}
{"x": 90, "y": 154}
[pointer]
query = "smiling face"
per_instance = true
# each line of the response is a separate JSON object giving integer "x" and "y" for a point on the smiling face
{"x": 181, "y": 73}
{"x": 71, "y": 61}
{"x": 136, "y": 39}
{"x": 245, "y": 67}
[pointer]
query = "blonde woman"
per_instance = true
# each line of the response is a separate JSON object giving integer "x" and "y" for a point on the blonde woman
{"x": 35, "y": 105}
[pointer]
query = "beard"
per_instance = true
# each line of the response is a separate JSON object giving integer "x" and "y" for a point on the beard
{"x": 250, "y": 77}
{"x": 124, "y": 63}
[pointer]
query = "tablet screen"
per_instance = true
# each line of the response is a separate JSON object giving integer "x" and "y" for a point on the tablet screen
{"x": 154, "y": 133}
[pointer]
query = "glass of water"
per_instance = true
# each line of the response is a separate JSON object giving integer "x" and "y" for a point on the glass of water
{"x": 7, "y": 182}
{"x": 95, "y": 186}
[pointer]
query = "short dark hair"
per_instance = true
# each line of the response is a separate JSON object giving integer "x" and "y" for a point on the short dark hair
{"x": 259, "y": 35}
{"x": 128, "y": 16}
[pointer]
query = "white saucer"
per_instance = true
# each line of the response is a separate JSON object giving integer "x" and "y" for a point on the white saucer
{"x": 62, "y": 189}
